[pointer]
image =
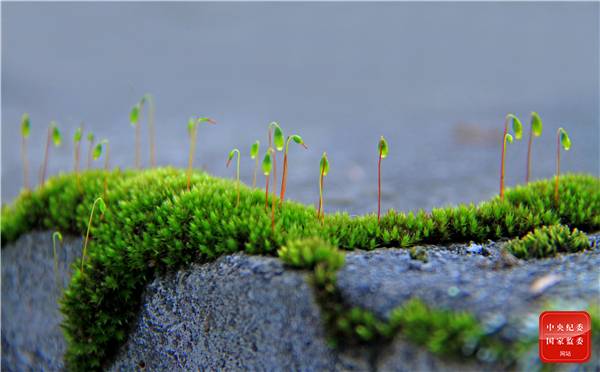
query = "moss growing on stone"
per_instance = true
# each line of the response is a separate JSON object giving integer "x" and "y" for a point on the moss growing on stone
{"x": 548, "y": 241}
{"x": 523, "y": 209}
{"x": 418, "y": 253}
{"x": 153, "y": 224}
{"x": 310, "y": 252}
{"x": 455, "y": 334}
{"x": 447, "y": 333}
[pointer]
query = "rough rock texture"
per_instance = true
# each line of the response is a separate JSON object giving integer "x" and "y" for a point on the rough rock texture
{"x": 504, "y": 293}
{"x": 240, "y": 312}
{"x": 31, "y": 335}
{"x": 252, "y": 313}
{"x": 245, "y": 313}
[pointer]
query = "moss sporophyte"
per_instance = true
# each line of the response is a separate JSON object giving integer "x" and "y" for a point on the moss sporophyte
{"x": 562, "y": 140}
{"x": 383, "y": 153}
{"x": 507, "y": 137}
{"x": 232, "y": 153}
{"x": 56, "y": 236}
{"x": 297, "y": 139}
{"x": 134, "y": 120}
{"x": 277, "y": 139}
{"x": 267, "y": 166}
{"x": 55, "y": 138}
{"x": 96, "y": 154}
{"x": 25, "y": 131}
{"x": 254, "y": 150}
{"x": 102, "y": 208}
{"x": 323, "y": 170}
{"x": 192, "y": 133}
{"x": 154, "y": 225}
{"x": 535, "y": 130}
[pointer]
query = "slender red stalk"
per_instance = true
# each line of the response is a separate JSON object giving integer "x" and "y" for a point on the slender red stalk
{"x": 320, "y": 210}
{"x": 269, "y": 176}
{"x": 267, "y": 192}
{"x": 319, "y": 207}
{"x": 285, "y": 172}
{"x": 379, "y": 186}
{"x": 273, "y": 209}
{"x": 191, "y": 157}
{"x": 283, "y": 179}
{"x": 274, "y": 170}
{"x": 529, "y": 156}
{"x": 557, "y": 167}
{"x": 274, "y": 160}
{"x": 45, "y": 166}
{"x": 25, "y": 163}
{"x": 502, "y": 161}
{"x": 274, "y": 192}
{"x": 255, "y": 170}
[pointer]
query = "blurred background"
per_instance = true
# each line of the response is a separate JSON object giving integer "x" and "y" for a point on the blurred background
{"x": 436, "y": 79}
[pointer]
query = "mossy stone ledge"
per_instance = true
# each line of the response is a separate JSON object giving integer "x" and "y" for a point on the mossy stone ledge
{"x": 153, "y": 226}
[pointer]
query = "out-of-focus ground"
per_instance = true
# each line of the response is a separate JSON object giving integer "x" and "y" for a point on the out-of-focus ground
{"x": 435, "y": 79}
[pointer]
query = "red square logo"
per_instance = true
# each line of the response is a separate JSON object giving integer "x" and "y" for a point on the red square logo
{"x": 565, "y": 337}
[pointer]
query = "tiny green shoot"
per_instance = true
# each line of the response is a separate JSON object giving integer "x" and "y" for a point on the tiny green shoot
{"x": 562, "y": 140}
{"x": 77, "y": 151}
{"x": 276, "y": 138}
{"x": 25, "y": 131}
{"x": 192, "y": 132}
{"x": 383, "y": 153}
{"x": 232, "y": 153}
{"x": 267, "y": 166}
{"x": 507, "y": 137}
{"x": 54, "y": 137}
{"x": 254, "y": 149}
{"x": 134, "y": 119}
{"x": 97, "y": 151}
{"x": 535, "y": 130}
{"x": 56, "y": 236}
{"x": 297, "y": 139}
{"x": 323, "y": 170}
{"x": 102, "y": 208}
{"x": 96, "y": 154}
{"x": 91, "y": 139}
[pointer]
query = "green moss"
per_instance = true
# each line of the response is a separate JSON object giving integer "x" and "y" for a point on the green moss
{"x": 153, "y": 224}
{"x": 548, "y": 241}
{"x": 419, "y": 253}
{"x": 447, "y": 333}
{"x": 309, "y": 252}
{"x": 443, "y": 332}
{"x": 524, "y": 208}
